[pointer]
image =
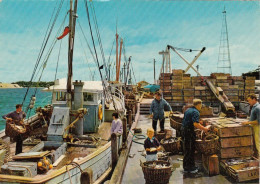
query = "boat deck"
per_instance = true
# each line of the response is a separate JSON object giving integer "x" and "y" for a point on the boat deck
{"x": 133, "y": 172}
{"x": 73, "y": 152}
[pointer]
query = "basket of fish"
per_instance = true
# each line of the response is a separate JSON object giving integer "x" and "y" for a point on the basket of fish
{"x": 207, "y": 144}
{"x": 13, "y": 129}
{"x": 156, "y": 172}
{"x": 241, "y": 169}
{"x": 160, "y": 135}
{"x": 172, "y": 144}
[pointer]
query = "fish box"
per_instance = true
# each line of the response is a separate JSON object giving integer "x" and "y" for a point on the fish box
{"x": 241, "y": 169}
{"x": 233, "y": 130}
{"x": 246, "y": 151}
{"x": 27, "y": 169}
{"x": 236, "y": 141}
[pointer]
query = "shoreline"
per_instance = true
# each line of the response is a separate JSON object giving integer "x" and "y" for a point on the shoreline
{"x": 8, "y": 85}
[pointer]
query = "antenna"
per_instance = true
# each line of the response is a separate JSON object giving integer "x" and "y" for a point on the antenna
{"x": 224, "y": 62}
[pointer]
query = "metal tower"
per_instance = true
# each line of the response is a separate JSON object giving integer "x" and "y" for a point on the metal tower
{"x": 224, "y": 62}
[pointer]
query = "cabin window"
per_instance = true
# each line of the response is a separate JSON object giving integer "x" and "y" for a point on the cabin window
{"x": 60, "y": 96}
{"x": 88, "y": 97}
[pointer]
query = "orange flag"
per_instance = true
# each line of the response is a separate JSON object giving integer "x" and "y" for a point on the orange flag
{"x": 65, "y": 32}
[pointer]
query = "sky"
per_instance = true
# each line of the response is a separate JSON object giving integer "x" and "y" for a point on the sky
{"x": 146, "y": 27}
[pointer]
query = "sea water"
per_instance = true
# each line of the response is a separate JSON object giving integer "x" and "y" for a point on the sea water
{"x": 10, "y": 97}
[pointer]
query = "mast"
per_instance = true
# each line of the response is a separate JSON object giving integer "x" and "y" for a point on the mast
{"x": 72, "y": 25}
{"x": 119, "y": 62}
{"x": 116, "y": 56}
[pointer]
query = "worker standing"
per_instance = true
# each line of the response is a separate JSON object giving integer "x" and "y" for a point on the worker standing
{"x": 191, "y": 120}
{"x": 157, "y": 111}
{"x": 254, "y": 120}
{"x": 17, "y": 117}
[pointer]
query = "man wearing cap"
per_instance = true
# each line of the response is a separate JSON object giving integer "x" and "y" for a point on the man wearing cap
{"x": 191, "y": 120}
{"x": 157, "y": 111}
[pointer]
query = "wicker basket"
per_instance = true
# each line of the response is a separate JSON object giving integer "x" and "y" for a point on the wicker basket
{"x": 209, "y": 146}
{"x": 174, "y": 146}
{"x": 12, "y": 130}
{"x": 160, "y": 136}
{"x": 174, "y": 124}
{"x": 156, "y": 175}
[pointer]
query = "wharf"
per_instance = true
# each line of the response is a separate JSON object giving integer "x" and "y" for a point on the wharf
{"x": 133, "y": 173}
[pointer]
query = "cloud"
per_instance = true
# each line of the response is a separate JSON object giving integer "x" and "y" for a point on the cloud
{"x": 146, "y": 29}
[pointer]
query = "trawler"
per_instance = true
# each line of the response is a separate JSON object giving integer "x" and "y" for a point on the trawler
{"x": 73, "y": 131}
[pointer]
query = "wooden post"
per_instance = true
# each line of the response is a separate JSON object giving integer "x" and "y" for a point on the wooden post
{"x": 124, "y": 130}
{"x": 114, "y": 150}
{"x": 130, "y": 118}
{"x": 87, "y": 176}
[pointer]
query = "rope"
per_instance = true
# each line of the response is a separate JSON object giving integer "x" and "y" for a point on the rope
{"x": 74, "y": 164}
{"x": 57, "y": 65}
{"x": 136, "y": 137}
{"x": 45, "y": 41}
{"x": 98, "y": 36}
{"x": 93, "y": 42}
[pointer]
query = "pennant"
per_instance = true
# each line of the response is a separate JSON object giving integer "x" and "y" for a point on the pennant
{"x": 65, "y": 32}
{"x": 101, "y": 67}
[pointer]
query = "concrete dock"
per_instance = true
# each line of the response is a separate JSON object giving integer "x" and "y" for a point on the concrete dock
{"x": 133, "y": 173}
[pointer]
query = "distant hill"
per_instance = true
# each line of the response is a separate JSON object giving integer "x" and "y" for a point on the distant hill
{"x": 7, "y": 85}
{"x": 33, "y": 84}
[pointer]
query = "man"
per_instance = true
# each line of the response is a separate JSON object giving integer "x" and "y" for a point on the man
{"x": 254, "y": 119}
{"x": 157, "y": 111}
{"x": 17, "y": 117}
{"x": 191, "y": 120}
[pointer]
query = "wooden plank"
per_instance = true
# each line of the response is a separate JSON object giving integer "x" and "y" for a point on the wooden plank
{"x": 236, "y": 141}
{"x": 58, "y": 160}
{"x": 31, "y": 155}
{"x": 120, "y": 167}
{"x": 246, "y": 151}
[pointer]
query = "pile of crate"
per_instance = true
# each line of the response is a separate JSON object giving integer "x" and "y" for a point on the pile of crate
{"x": 249, "y": 85}
{"x": 236, "y": 142}
{"x": 166, "y": 86}
{"x": 177, "y": 85}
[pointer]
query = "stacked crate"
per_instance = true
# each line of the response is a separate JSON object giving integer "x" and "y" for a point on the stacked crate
{"x": 235, "y": 140}
{"x": 177, "y": 85}
{"x": 249, "y": 85}
{"x": 239, "y": 81}
{"x": 188, "y": 89}
{"x": 165, "y": 85}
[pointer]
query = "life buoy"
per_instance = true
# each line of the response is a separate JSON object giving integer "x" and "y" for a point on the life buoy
{"x": 100, "y": 112}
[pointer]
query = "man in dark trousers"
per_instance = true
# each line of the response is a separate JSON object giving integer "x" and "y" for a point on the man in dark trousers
{"x": 17, "y": 116}
{"x": 157, "y": 111}
{"x": 191, "y": 120}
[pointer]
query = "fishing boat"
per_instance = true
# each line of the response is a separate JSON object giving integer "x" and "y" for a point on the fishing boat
{"x": 74, "y": 130}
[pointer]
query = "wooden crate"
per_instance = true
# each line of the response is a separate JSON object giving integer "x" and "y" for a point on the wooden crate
{"x": 233, "y": 130}
{"x": 177, "y": 77}
{"x": 240, "y": 173}
{"x": 177, "y": 72}
{"x": 223, "y": 84}
{"x": 221, "y": 77}
{"x": 210, "y": 164}
{"x": 236, "y": 141}
{"x": 236, "y": 152}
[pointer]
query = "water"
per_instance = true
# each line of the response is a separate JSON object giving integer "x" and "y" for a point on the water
{"x": 10, "y": 97}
